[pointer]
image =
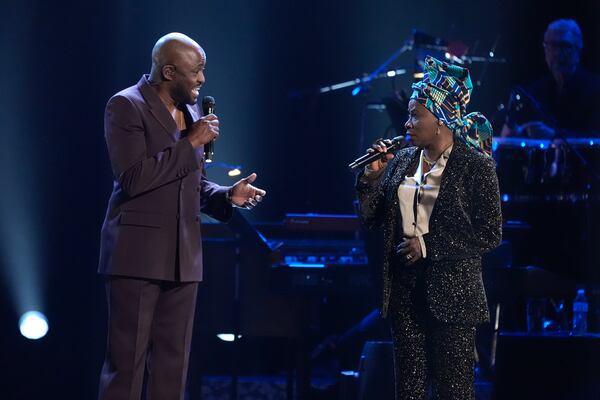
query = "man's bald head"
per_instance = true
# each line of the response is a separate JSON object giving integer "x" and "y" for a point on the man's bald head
{"x": 178, "y": 65}
{"x": 171, "y": 47}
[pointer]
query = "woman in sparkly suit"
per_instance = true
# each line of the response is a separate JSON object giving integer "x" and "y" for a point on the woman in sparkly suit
{"x": 439, "y": 206}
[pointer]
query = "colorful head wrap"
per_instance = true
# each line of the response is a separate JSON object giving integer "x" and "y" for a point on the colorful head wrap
{"x": 445, "y": 91}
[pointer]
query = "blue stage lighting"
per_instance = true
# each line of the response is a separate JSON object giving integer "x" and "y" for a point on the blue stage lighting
{"x": 33, "y": 325}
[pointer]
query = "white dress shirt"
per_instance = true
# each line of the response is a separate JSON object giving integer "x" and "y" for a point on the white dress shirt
{"x": 417, "y": 195}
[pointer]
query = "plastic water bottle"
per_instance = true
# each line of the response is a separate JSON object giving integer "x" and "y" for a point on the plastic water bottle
{"x": 580, "y": 312}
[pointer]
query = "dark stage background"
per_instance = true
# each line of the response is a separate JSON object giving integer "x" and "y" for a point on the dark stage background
{"x": 61, "y": 61}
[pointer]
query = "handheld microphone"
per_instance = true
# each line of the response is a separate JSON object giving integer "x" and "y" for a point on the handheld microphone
{"x": 370, "y": 157}
{"x": 208, "y": 107}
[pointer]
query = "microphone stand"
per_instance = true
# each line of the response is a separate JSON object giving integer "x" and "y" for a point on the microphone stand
{"x": 361, "y": 81}
{"x": 377, "y": 73}
{"x": 487, "y": 60}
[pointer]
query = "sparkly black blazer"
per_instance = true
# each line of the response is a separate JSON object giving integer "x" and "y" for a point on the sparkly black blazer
{"x": 465, "y": 223}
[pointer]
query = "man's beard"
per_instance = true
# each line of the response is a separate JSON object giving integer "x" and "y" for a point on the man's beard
{"x": 183, "y": 95}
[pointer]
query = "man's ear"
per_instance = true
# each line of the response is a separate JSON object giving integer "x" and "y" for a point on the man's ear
{"x": 168, "y": 72}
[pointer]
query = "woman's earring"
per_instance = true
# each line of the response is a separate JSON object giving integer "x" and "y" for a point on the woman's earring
{"x": 439, "y": 124}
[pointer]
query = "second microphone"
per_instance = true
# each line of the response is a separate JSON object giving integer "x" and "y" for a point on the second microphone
{"x": 368, "y": 158}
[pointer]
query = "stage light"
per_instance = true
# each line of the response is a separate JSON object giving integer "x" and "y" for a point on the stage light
{"x": 228, "y": 337}
{"x": 33, "y": 325}
{"x": 20, "y": 230}
{"x": 234, "y": 172}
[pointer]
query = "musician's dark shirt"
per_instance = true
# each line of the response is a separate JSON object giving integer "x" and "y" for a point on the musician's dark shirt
{"x": 575, "y": 110}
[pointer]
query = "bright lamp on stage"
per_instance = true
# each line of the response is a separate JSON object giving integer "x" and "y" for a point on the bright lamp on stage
{"x": 234, "y": 172}
{"x": 33, "y": 325}
{"x": 228, "y": 337}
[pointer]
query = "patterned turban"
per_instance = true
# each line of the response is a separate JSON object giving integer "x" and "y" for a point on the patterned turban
{"x": 445, "y": 90}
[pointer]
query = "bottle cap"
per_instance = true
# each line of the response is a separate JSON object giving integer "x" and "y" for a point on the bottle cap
{"x": 581, "y": 291}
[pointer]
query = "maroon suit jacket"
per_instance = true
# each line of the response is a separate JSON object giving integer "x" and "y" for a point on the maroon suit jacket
{"x": 152, "y": 225}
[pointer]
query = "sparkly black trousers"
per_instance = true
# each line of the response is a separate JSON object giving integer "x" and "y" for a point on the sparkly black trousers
{"x": 430, "y": 356}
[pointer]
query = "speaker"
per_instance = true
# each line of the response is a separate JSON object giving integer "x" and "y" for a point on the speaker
{"x": 376, "y": 371}
{"x": 547, "y": 367}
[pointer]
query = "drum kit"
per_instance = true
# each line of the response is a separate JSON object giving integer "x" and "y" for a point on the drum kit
{"x": 547, "y": 171}
{"x": 551, "y": 182}
{"x": 537, "y": 168}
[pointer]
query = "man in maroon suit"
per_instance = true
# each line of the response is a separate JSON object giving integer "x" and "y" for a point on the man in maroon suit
{"x": 151, "y": 250}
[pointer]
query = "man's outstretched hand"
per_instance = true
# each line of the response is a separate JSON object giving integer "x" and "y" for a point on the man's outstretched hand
{"x": 244, "y": 195}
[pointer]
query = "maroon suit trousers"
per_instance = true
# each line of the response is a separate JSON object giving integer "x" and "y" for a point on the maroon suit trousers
{"x": 150, "y": 326}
